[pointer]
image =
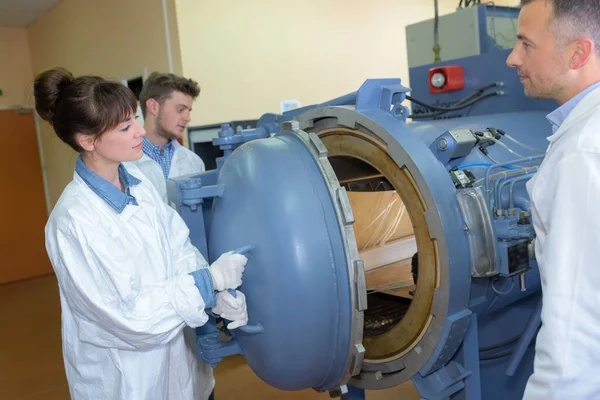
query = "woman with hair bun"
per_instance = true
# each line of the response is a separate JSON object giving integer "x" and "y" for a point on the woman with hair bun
{"x": 129, "y": 278}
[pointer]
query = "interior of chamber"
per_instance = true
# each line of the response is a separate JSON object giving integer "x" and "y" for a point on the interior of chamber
{"x": 386, "y": 243}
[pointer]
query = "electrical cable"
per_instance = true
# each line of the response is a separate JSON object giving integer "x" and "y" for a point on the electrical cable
{"x": 501, "y": 344}
{"x": 523, "y": 144}
{"x": 512, "y": 285}
{"x": 476, "y": 93}
{"x": 456, "y": 107}
{"x": 492, "y": 159}
{"x": 501, "y": 354}
{"x": 493, "y": 139}
{"x": 506, "y": 174}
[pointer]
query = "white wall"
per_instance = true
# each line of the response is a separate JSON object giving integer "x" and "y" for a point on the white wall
{"x": 250, "y": 55}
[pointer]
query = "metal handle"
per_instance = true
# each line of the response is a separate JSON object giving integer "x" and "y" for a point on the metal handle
{"x": 244, "y": 249}
{"x": 253, "y": 329}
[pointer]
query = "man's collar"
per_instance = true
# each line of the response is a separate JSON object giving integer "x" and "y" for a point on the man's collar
{"x": 558, "y": 116}
{"x": 149, "y": 146}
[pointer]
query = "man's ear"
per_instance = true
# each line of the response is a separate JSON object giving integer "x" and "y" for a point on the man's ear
{"x": 152, "y": 106}
{"x": 583, "y": 49}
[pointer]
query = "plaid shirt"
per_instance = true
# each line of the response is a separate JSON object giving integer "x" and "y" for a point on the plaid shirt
{"x": 163, "y": 157}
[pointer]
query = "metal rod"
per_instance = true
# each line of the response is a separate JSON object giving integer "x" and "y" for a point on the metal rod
{"x": 505, "y": 164}
{"x": 362, "y": 178}
{"x": 525, "y": 340}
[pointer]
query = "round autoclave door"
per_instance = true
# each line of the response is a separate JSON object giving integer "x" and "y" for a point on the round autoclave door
{"x": 304, "y": 282}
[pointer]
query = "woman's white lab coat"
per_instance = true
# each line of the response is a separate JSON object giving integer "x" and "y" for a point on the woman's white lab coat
{"x": 126, "y": 295}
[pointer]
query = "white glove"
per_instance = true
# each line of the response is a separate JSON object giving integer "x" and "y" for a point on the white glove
{"x": 227, "y": 271}
{"x": 232, "y": 308}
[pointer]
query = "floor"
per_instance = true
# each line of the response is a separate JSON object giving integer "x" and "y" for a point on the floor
{"x": 31, "y": 364}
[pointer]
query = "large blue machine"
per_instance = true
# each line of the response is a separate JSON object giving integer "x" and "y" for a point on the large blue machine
{"x": 459, "y": 160}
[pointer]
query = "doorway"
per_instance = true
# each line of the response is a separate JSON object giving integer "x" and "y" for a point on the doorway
{"x": 22, "y": 199}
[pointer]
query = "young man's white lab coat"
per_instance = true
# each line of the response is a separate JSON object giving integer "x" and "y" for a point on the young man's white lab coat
{"x": 185, "y": 162}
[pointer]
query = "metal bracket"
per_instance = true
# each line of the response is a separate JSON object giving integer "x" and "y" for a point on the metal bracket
{"x": 344, "y": 203}
{"x": 318, "y": 145}
{"x": 443, "y": 383}
{"x": 346, "y": 392}
{"x": 451, "y": 338}
{"x": 192, "y": 192}
{"x": 210, "y": 348}
{"x": 381, "y": 94}
{"x": 358, "y": 355}
{"x": 338, "y": 392}
{"x": 229, "y": 140}
{"x": 361, "y": 285}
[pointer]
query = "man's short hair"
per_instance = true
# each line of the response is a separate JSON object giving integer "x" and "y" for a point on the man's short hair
{"x": 159, "y": 87}
{"x": 574, "y": 19}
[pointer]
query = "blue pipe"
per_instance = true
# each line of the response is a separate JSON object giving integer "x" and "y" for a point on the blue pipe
{"x": 512, "y": 187}
{"x": 489, "y": 171}
{"x": 525, "y": 340}
{"x": 475, "y": 164}
{"x": 498, "y": 187}
{"x": 508, "y": 180}
{"x": 501, "y": 181}
{"x": 522, "y": 203}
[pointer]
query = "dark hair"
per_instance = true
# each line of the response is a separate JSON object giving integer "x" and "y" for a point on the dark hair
{"x": 88, "y": 105}
{"x": 574, "y": 19}
{"x": 159, "y": 87}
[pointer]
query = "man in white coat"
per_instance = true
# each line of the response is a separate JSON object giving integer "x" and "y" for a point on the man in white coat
{"x": 558, "y": 57}
{"x": 166, "y": 103}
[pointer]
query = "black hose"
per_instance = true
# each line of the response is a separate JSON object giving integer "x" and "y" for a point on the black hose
{"x": 495, "y": 356}
{"x": 501, "y": 344}
{"x": 505, "y": 353}
{"x": 476, "y": 93}
{"x": 479, "y": 91}
{"x": 422, "y": 103}
{"x": 457, "y": 106}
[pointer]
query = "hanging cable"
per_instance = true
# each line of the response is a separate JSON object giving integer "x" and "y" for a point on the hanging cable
{"x": 512, "y": 285}
{"x": 493, "y": 139}
{"x": 454, "y": 108}
{"x": 492, "y": 159}
{"x": 472, "y": 98}
{"x": 523, "y": 144}
{"x": 476, "y": 93}
{"x": 479, "y": 91}
{"x": 436, "y": 42}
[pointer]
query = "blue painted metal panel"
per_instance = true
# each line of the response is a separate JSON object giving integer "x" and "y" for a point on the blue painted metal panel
{"x": 479, "y": 71}
{"x": 296, "y": 280}
{"x": 498, "y": 386}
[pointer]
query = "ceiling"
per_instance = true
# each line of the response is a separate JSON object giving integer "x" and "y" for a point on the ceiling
{"x": 21, "y": 13}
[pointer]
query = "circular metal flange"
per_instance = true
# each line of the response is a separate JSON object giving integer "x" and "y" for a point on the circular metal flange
{"x": 350, "y": 143}
{"x": 356, "y": 271}
{"x": 346, "y": 132}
